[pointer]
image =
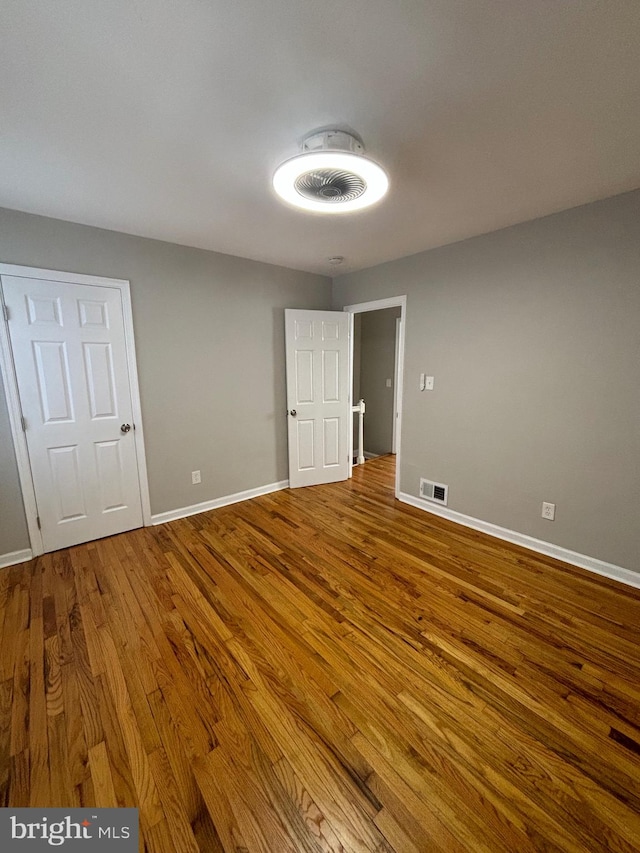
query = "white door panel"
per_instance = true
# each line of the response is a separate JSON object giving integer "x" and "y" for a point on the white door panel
{"x": 317, "y": 357}
{"x": 69, "y": 351}
{"x": 111, "y": 475}
{"x": 64, "y": 471}
{"x": 101, "y": 382}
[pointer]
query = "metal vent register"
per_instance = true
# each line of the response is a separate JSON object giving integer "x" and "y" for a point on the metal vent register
{"x": 436, "y": 492}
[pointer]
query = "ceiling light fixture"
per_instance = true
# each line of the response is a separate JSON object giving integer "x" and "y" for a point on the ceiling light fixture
{"x": 331, "y": 175}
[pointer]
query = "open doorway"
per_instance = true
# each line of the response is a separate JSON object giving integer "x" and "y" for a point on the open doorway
{"x": 376, "y": 367}
{"x": 374, "y": 378}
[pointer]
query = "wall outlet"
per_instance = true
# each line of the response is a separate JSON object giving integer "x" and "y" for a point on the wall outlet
{"x": 195, "y": 478}
{"x": 428, "y": 384}
{"x": 548, "y": 511}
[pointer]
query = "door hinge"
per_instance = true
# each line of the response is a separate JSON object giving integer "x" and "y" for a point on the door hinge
{"x": 38, "y": 522}
{"x": 24, "y": 423}
{"x": 5, "y": 311}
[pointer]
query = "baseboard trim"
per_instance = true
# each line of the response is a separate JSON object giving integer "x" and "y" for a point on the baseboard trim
{"x": 591, "y": 564}
{"x": 216, "y": 503}
{"x": 15, "y": 557}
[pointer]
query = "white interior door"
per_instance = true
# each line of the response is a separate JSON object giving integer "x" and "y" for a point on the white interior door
{"x": 317, "y": 359}
{"x": 69, "y": 352}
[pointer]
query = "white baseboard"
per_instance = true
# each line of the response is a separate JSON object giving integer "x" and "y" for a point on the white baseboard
{"x": 370, "y": 455}
{"x": 609, "y": 570}
{"x": 216, "y": 503}
{"x": 15, "y": 557}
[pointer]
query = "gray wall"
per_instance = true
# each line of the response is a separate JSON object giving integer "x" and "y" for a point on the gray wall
{"x": 13, "y": 526}
{"x": 377, "y": 364}
{"x": 533, "y": 336}
{"x": 209, "y": 334}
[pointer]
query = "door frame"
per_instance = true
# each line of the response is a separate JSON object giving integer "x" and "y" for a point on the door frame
{"x": 9, "y": 378}
{"x": 379, "y": 305}
{"x": 396, "y": 389}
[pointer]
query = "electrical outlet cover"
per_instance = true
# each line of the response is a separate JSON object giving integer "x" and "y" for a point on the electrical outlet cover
{"x": 548, "y": 511}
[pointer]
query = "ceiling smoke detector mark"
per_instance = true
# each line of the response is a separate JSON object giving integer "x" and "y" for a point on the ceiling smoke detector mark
{"x": 336, "y": 260}
{"x": 435, "y": 492}
{"x": 330, "y": 175}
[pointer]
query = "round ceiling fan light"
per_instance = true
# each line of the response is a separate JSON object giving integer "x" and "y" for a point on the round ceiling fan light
{"x": 330, "y": 180}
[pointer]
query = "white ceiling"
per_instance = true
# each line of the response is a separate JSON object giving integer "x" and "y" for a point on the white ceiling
{"x": 166, "y": 118}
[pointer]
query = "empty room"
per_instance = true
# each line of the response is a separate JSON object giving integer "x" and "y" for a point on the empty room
{"x": 320, "y": 426}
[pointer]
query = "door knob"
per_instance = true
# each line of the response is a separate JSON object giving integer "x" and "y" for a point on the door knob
{"x": 293, "y": 413}
{"x": 125, "y": 427}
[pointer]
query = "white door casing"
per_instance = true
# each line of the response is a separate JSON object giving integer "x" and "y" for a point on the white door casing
{"x": 68, "y": 342}
{"x": 317, "y": 363}
{"x": 396, "y": 390}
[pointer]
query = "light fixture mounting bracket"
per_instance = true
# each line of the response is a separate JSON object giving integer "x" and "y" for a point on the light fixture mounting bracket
{"x": 332, "y": 140}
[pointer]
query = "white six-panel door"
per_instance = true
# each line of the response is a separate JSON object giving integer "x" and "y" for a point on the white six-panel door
{"x": 318, "y": 413}
{"x": 69, "y": 352}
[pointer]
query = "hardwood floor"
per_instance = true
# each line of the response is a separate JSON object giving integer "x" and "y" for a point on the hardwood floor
{"x": 324, "y": 670}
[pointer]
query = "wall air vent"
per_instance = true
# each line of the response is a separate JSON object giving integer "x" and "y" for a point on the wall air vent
{"x": 436, "y": 492}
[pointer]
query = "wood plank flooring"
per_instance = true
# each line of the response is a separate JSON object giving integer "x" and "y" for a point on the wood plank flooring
{"x": 324, "y": 670}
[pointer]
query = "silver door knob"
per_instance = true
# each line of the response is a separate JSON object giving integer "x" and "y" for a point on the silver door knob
{"x": 293, "y": 413}
{"x": 125, "y": 427}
